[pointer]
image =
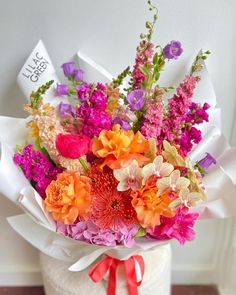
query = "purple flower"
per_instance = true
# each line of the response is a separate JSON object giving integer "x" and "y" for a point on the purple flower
{"x": 68, "y": 68}
{"x": 126, "y": 235}
{"x": 206, "y": 162}
{"x": 124, "y": 124}
{"x": 78, "y": 75}
{"x": 62, "y": 89}
{"x": 136, "y": 99}
{"x": 66, "y": 109}
{"x": 173, "y": 50}
{"x": 89, "y": 232}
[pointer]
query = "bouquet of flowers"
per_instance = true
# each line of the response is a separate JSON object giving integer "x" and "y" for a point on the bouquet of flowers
{"x": 117, "y": 167}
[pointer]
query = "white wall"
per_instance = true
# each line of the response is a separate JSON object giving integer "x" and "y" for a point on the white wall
{"x": 107, "y": 31}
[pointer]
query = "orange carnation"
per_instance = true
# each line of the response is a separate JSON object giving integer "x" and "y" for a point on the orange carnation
{"x": 118, "y": 147}
{"x": 68, "y": 197}
{"x": 149, "y": 207}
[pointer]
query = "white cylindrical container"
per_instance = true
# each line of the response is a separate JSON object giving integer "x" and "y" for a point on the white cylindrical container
{"x": 157, "y": 278}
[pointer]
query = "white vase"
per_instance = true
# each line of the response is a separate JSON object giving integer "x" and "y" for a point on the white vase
{"x": 157, "y": 277}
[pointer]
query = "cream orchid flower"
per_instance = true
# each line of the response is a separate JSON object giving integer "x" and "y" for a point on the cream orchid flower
{"x": 158, "y": 168}
{"x": 171, "y": 154}
{"x": 186, "y": 198}
{"x": 174, "y": 182}
{"x": 128, "y": 177}
{"x": 195, "y": 181}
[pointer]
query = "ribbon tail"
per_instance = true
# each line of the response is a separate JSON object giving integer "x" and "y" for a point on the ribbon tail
{"x": 98, "y": 271}
{"x": 111, "y": 287}
{"x": 131, "y": 276}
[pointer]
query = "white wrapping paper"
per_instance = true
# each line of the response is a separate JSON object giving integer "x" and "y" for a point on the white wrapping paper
{"x": 38, "y": 70}
{"x": 38, "y": 228}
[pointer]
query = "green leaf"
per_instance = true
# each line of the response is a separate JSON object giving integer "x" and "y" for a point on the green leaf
{"x": 141, "y": 233}
{"x": 155, "y": 58}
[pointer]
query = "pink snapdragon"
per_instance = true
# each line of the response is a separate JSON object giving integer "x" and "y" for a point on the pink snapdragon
{"x": 178, "y": 107}
{"x": 144, "y": 55}
{"x": 153, "y": 120}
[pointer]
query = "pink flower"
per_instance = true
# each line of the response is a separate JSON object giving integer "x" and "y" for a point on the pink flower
{"x": 88, "y": 232}
{"x": 143, "y": 57}
{"x": 153, "y": 120}
{"x": 73, "y": 146}
{"x": 178, "y": 108}
{"x": 179, "y": 227}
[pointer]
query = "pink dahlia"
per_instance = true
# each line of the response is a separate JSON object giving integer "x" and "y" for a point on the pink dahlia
{"x": 179, "y": 227}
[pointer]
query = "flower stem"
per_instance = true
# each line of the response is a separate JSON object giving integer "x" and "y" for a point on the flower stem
{"x": 83, "y": 163}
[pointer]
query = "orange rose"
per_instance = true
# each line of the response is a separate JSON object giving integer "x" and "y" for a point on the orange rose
{"x": 149, "y": 207}
{"x": 68, "y": 197}
{"x": 118, "y": 147}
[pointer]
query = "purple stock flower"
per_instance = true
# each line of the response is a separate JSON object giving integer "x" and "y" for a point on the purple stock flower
{"x": 206, "y": 162}
{"x": 62, "y": 89}
{"x": 66, "y": 109}
{"x": 68, "y": 68}
{"x": 124, "y": 124}
{"x": 78, "y": 75}
{"x": 173, "y": 50}
{"x": 136, "y": 99}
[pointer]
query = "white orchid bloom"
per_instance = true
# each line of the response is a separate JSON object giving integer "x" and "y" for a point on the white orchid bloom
{"x": 157, "y": 168}
{"x": 174, "y": 182}
{"x": 171, "y": 154}
{"x": 186, "y": 198}
{"x": 128, "y": 177}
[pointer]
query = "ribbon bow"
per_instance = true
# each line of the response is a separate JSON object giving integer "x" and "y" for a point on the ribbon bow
{"x": 98, "y": 271}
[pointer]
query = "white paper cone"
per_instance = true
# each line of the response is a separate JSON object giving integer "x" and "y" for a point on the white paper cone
{"x": 37, "y": 70}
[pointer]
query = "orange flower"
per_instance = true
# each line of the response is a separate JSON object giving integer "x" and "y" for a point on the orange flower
{"x": 68, "y": 197}
{"x": 118, "y": 147}
{"x": 149, "y": 207}
{"x": 111, "y": 209}
{"x": 113, "y": 98}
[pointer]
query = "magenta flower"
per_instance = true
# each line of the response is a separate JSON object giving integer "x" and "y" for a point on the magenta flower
{"x": 83, "y": 91}
{"x": 78, "y": 75}
{"x": 179, "y": 227}
{"x": 36, "y": 168}
{"x": 173, "y": 50}
{"x": 62, "y": 89}
{"x": 123, "y": 124}
{"x": 98, "y": 100}
{"x": 94, "y": 120}
{"x": 68, "y": 68}
{"x": 136, "y": 99}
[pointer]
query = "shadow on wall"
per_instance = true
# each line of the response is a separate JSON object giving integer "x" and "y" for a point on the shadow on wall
{"x": 12, "y": 101}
